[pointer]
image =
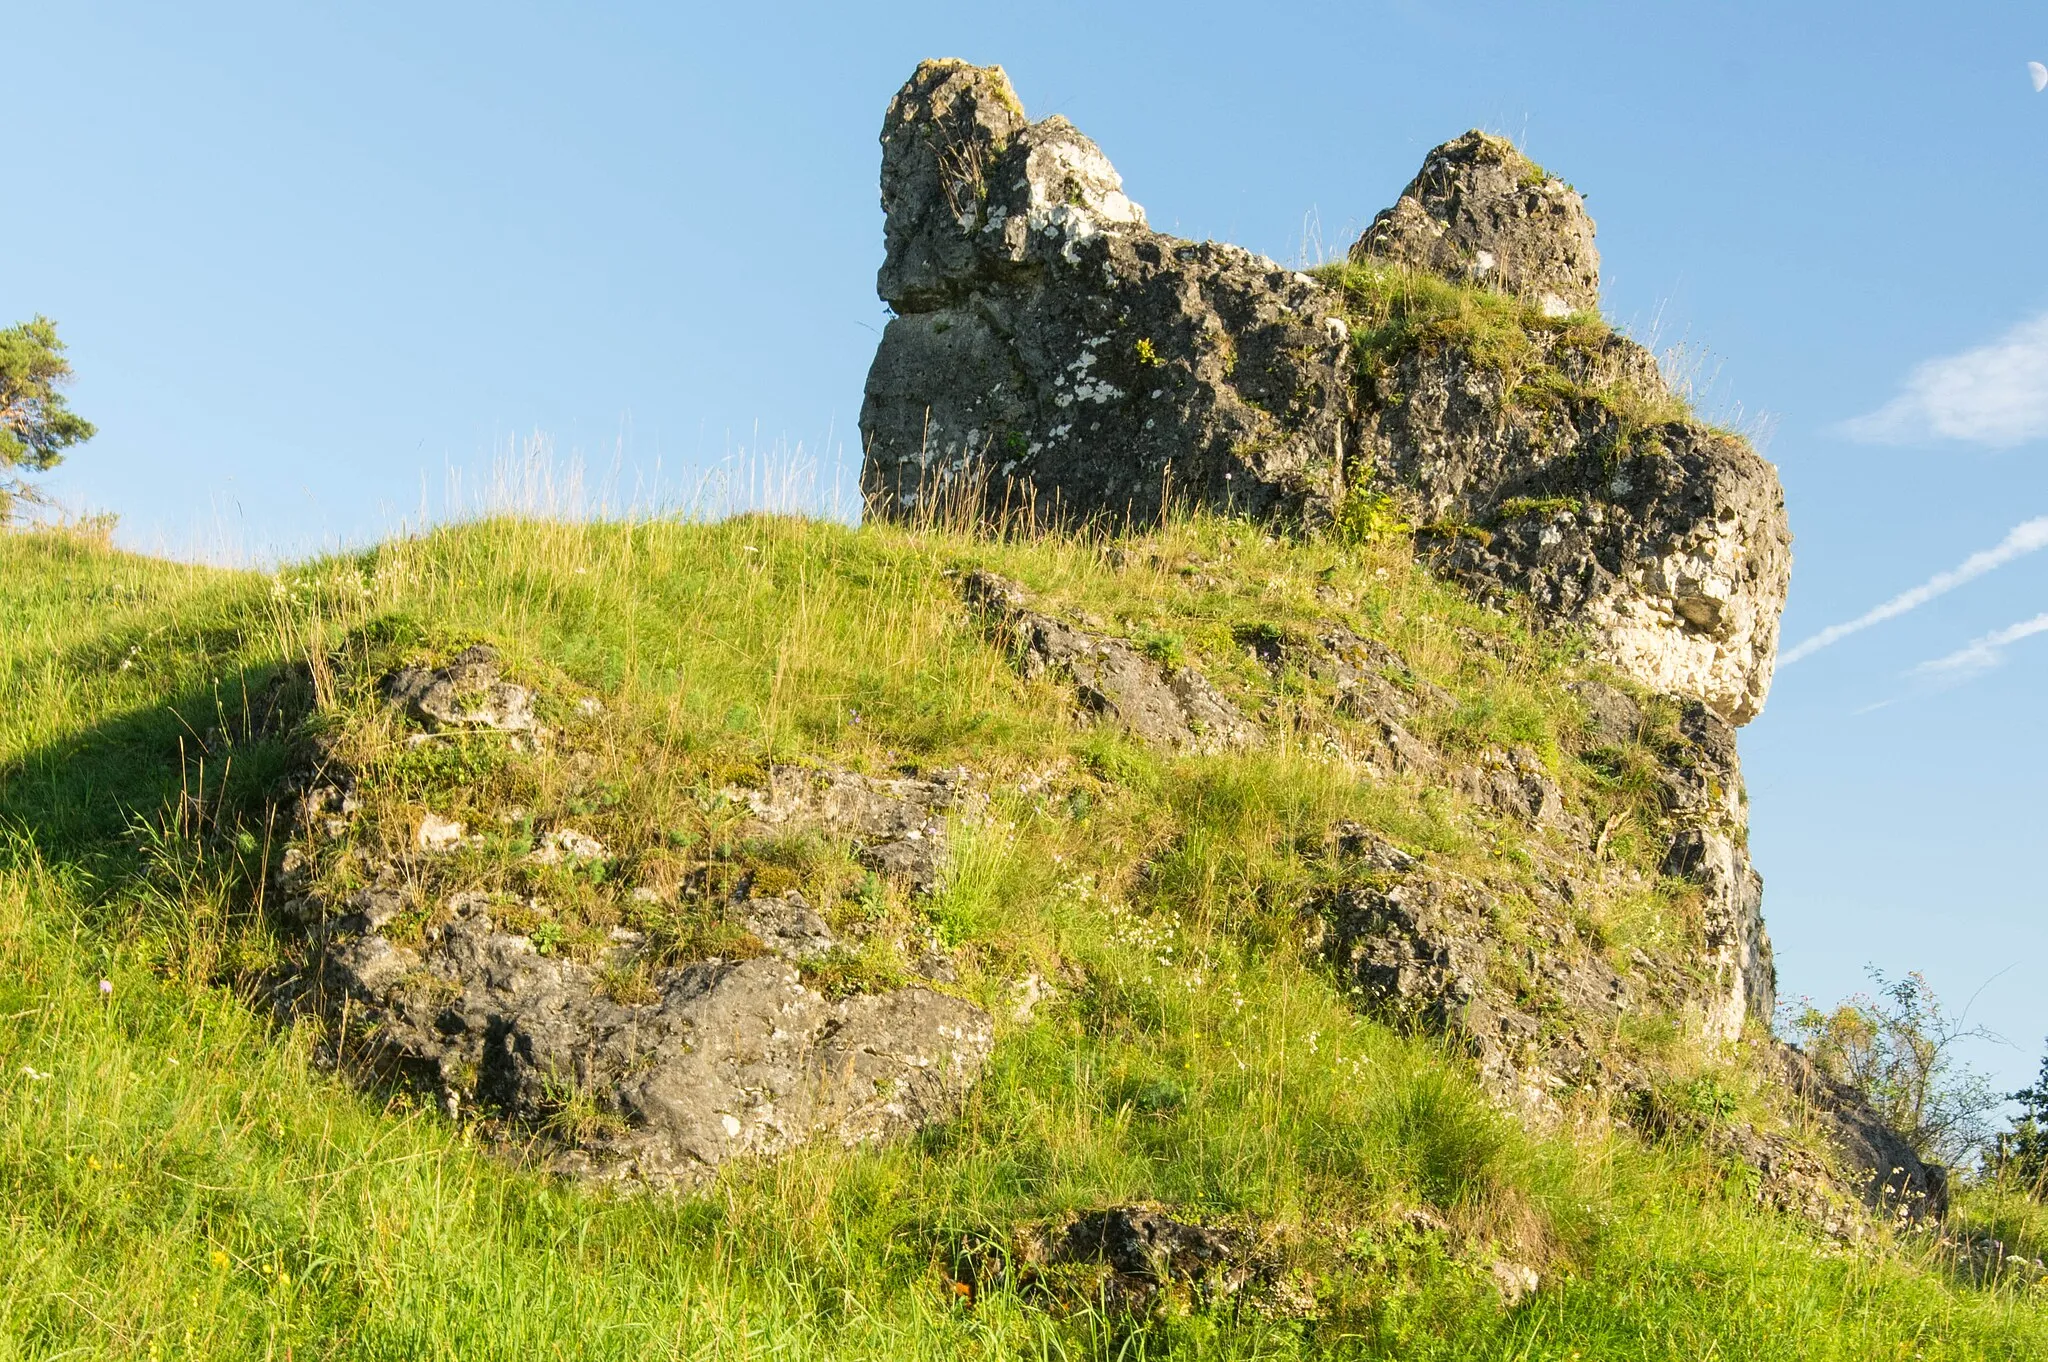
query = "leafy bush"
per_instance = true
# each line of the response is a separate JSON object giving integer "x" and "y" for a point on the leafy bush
{"x": 1898, "y": 1050}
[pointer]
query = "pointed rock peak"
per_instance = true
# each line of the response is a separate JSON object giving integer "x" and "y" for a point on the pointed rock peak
{"x": 972, "y": 188}
{"x": 1482, "y": 212}
{"x": 951, "y": 98}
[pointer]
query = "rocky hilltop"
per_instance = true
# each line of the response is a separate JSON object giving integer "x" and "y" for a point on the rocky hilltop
{"x": 1242, "y": 853}
{"x": 1053, "y": 357}
{"x": 1038, "y": 791}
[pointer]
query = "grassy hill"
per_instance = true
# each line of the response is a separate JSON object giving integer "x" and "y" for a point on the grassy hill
{"x": 188, "y": 1170}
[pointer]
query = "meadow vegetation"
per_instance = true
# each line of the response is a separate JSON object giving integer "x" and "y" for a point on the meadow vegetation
{"x": 188, "y": 1171}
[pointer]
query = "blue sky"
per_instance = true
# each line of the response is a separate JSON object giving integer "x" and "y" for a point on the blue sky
{"x": 309, "y": 262}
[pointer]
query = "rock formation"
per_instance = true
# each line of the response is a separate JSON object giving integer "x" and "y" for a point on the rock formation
{"x": 1054, "y": 357}
{"x": 633, "y": 1062}
{"x": 1538, "y": 1011}
{"x": 1052, "y": 353}
{"x": 720, "y": 1058}
{"x": 1572, "y": 479}
{"x": 1172, "y": 708}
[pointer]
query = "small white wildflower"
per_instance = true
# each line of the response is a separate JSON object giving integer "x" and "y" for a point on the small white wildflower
{"x": 34, "y": 1075}
{"x": 106, "y": 988}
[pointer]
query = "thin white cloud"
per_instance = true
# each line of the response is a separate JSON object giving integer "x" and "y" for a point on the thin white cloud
{"x": 1995, "y": 395}
{"x": 2024, "y": 539}
{"x": 1981, "y": 655}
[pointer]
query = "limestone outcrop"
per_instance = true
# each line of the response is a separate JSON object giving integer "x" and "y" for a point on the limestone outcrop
{"x": 1510, "y": 967}
{"x": 1573, "y": 479}
{"x": 1053, "y": 358}
{"x": 1419, "y": 940}
{"x": 1173, "y": 708}
{"x": 710, "y": 1061}
{"x": 635, "y": 1059}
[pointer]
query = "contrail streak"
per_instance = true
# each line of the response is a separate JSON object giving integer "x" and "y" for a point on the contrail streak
{"x": 2023, "y": 540}
{"x": 1982, "y": 654}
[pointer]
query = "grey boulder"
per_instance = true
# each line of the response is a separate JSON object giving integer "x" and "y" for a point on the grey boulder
{"x": 467, "y": 693}
{"x": 715, "y": 1060}
{"x": 898, "y": 825}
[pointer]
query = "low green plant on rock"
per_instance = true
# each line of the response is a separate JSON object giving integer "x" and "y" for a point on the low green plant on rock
{"x": 1368, "y": 515}
{"x": 1395, "y": 311}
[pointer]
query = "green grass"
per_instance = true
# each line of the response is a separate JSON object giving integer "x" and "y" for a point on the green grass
{"x": 183, "y": 1176}
{"x": 1395, "y": 311}
{"x": 1543, "y": 363}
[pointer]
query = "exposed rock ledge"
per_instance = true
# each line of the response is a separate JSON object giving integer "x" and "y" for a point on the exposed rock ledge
{"x": 721, "y": 1058}
{"x": 1052, "y": 356}
{"x": 634, "y": 1066}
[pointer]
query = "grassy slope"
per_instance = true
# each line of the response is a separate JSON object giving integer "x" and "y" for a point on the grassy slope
{"x": 185, "y": 1181}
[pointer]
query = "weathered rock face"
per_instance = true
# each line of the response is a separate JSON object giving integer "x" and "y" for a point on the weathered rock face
{"x": 719, "y": 1059}
{"x": 897, "y": 826}
{"x": 1710, "y": 810}
{"x": 1424, "y": 948}
{"x": 1482, "y": 212}
{"x": 465, "y": 694}
{"x": 1423, "y": 944}
{"x": 656, "y": 1064}
{"x": 1173, "y": 708}
{"x": 1052, "y": 355}
{"x": 1666, "y": 541}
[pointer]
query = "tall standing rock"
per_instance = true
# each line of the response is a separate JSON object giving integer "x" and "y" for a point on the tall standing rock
{"x": 1051, "y": 352}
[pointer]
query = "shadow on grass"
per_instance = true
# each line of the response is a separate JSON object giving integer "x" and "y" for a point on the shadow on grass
{"x": 209, "y": 762}
{"x": 164, "y": 820}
